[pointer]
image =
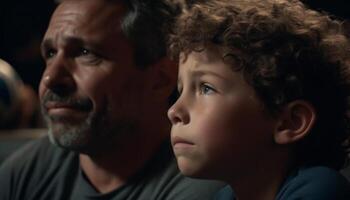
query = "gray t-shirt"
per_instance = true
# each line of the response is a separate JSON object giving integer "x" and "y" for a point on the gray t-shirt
{"x": 41, "y": 171}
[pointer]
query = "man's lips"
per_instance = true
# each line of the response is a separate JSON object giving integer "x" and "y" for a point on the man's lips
{"x": 59, "y": 108}
{"x": 56, "y": 105}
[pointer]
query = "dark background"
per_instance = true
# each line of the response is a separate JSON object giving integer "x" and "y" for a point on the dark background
{"x": 23, "y": 23}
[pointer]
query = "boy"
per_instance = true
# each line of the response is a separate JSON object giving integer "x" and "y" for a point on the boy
{"x": 264, "y": 88}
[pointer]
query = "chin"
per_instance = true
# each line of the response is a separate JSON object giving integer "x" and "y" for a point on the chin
{"x": 190, "y": 168}
{"x": 199, "y": 170}
{"x": 69, "y": 137}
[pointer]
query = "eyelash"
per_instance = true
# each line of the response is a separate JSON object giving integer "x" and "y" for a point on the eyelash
{"x": 82, "y": 52}
{"x": 206, "y": 89}
{"x": 178, "y": 91}
{"x": 203, "y": 88}
{"x": 89, "y": 56}
{"x": 50, "y": 53}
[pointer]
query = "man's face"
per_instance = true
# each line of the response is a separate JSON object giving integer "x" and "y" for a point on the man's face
{"x": 90, "y": 88}
{"x": 219, "y": 125}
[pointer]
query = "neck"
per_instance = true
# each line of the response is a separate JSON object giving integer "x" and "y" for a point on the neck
{"x": 112, "y": 168}
{"x": 264, "y": 188}
{"x": 263, "y": 181}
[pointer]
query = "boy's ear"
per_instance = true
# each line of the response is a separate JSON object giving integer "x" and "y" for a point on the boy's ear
{"x": 164, "y": 78}
{"x": 296, "y": 121}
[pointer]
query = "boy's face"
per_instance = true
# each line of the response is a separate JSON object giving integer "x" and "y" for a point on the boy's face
{"x": 218, "y": 124}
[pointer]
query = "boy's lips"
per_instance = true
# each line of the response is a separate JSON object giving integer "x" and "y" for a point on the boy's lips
{"x": 178, "y": 142}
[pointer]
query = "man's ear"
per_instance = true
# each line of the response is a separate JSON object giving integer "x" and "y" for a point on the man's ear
{"x": 164, "y": 78}
{"x": 296, "y": 121}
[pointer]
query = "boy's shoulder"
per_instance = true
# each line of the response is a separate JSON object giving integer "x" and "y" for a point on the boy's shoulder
{"x": 309, "y": 183}
{"x": 318, "y": 182}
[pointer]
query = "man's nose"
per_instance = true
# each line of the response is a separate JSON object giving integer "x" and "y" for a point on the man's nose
{"x": 59, "y": 75}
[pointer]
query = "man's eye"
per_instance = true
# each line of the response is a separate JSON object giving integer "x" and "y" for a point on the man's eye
{"x": 88, "y": 56}
{"x": 84, "y": 52}
{"x": 206, "y": 89}
{"x": 50, "y": 53}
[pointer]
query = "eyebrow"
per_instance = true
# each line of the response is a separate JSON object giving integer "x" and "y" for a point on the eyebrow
{"x": 199, "y": 73}
{"x": 45, "y": 44}
{"x": 69, "y": 40}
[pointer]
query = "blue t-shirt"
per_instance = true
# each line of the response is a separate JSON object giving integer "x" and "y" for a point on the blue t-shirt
{"x": 311, "y": 183}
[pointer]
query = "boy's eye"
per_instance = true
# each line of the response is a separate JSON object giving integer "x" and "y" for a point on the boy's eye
{"x": 179, "y": 90}
{"x": 206, "y": 89}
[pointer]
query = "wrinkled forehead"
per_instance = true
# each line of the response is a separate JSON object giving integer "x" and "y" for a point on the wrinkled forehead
{"x": 91, "y": 13}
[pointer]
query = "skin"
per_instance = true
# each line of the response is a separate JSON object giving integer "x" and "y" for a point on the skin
{"x": 220, "y": 129}
{"x": 93, "y": 97}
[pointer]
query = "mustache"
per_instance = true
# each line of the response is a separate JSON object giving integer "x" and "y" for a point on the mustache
{"x": 81, "y": 103}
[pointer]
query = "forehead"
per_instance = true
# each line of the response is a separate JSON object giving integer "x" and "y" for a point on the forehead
{"x": 94, "y": 24}
{"x": 87, "y": 16}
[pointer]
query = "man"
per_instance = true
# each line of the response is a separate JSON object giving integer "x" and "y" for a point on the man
{"x": 104, "y": 96}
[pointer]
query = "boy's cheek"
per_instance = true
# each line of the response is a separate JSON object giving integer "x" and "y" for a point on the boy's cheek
{"x": 212, "y": 127}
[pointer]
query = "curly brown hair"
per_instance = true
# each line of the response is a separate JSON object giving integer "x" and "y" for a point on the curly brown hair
{"x": 287, "y": 52}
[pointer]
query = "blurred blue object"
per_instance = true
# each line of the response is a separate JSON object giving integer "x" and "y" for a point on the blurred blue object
{"x": 5, "y": 93}
{"x": 10, "y": 85}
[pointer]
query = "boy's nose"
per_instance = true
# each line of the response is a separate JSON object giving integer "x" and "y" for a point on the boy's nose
{"x": 178, "y": 114}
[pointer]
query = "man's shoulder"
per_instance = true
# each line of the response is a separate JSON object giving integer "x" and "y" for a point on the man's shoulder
{"x": 316, "y": 182}
{"x": 38, "y": 150}
{"x": 33, "y": 167}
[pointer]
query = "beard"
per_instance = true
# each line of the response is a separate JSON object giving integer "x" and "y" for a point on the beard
{"x": 90, "y": 135}
{"x": 68, "y": 135}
